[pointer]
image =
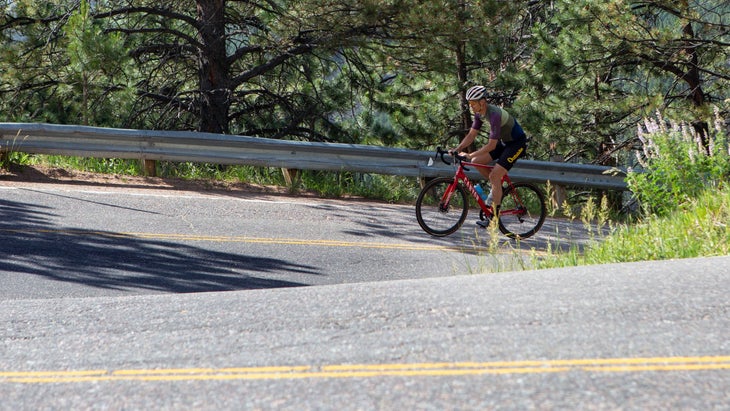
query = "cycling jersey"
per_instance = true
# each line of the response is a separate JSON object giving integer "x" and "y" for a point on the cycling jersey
{"x": 503, "y": 126}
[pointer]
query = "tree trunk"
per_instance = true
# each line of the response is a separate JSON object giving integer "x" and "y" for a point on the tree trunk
{"x": 694, "y": 81}
{"x": 214, "y": 70}
{"x": 463, "y": 76}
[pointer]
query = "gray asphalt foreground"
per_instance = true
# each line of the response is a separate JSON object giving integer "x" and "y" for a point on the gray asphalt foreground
{"x": 670, "y": 312}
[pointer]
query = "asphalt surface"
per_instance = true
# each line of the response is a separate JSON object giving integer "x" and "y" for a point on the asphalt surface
{"x": 625, "y": 336}
{"x": 180, "y": 333}
{"x": 78, "y": 241}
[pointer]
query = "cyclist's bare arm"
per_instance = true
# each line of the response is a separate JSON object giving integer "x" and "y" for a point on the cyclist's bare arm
{"x": 466, "y": 141}
{"x": 491, "y": 145}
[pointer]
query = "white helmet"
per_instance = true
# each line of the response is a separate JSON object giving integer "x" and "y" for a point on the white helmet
{"x": 476, "y": 93}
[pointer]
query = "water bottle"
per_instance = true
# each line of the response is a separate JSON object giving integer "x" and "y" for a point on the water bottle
{"x": 489, "y": 198}
{"x": 480, "y": 191}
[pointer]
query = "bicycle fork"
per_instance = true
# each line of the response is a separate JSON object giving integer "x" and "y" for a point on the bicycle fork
{"x": 446, "y": 198}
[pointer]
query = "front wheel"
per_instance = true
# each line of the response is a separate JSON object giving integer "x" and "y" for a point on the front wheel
{"x": 442, "y": 206}
{"x": 523, "y": 210}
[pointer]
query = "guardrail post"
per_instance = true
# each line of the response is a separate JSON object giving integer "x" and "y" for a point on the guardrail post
{"x": 292, "y": 177}
{"x": 559, "y": 192}
{"x": 149, "y": 167}
{"x": 422, "y": 181}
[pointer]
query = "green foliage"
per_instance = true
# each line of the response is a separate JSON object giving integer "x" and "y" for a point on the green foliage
{"x": 95, "y": 71}
{"x": 436, "y": 50}
{"x": 577, "y": 74}
{"x": 602, "y": 65}
{"x": 207, "y": 171}
{"x": 677, "y": 163}
{"x": 94, "y": 165}
{"x": 697, "y": 228}
{"x": 395, "y": 189}
{"x": 59, "y": 65}
{"x": 14, "y": 157}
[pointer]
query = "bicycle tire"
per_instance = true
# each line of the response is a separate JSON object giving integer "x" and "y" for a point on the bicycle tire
{"x": 435, "y": 218}
{"x": 523, "y": 211}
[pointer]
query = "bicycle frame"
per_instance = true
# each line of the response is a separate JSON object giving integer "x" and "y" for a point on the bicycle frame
{"x": 460, "y": 175}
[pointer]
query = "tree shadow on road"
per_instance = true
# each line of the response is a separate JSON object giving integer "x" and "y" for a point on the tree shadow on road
{"x": 32, "y": 245}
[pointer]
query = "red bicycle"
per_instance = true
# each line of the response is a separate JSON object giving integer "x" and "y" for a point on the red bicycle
{"x": 443, "y": 204}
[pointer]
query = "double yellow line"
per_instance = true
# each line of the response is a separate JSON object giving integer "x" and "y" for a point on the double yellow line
{"x": 254, "y": 240}
{"x": 440, "y": 369}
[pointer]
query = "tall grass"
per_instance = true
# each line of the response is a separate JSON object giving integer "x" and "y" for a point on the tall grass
{"x": 93, "y": 165}
{"x": 699, "y": 228}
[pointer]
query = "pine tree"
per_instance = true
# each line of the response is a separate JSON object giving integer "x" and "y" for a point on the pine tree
{"x": 601, "y": 65}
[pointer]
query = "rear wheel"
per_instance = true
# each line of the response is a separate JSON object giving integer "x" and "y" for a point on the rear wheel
{"x": 523, "y": 210}
{"x": 442, "y": 206}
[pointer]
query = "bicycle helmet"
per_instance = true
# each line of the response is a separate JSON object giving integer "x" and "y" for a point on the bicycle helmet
{"x": 476, "y": 93}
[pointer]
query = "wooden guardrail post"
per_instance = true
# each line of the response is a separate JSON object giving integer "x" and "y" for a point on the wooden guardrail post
{"x": 559, "y": 194}
{"x": 149, "y": 167}
{"x": 292, "y": 177}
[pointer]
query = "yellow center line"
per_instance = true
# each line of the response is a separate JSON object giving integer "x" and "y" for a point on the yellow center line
{"x": 439, "y": 369}
{"x": 257, "y": 240}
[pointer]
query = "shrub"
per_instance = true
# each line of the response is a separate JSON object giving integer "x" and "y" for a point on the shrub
{"x": 677, "y": 163}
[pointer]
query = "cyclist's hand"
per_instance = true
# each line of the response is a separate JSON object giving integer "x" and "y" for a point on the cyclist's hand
{"x": 455, "y": 153}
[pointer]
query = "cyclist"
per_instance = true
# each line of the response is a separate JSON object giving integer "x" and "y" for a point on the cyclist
{"x": 507, "y": 142}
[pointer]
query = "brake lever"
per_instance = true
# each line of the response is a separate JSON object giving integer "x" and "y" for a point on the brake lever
{"x": 440, "y": 152}
{"x": 461, "y": 160}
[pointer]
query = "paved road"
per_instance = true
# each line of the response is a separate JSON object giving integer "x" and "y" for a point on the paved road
{"x": 76, "y": 241}
{"x": 628, "y": 336}
{"x": 113, "y": 301}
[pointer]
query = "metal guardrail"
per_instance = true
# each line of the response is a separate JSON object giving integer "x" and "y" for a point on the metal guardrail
{"x": 83, "y": 141}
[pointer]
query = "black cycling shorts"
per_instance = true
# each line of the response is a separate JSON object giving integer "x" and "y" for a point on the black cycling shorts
{"x": 507, "y": 154}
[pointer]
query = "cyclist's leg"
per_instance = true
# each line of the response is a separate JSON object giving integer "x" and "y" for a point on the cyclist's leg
{"x": 506, "y": 160}
{"x": 484, "y": 159}
{"x": 486, "y": 172}
{"x": 496, "y": 179}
